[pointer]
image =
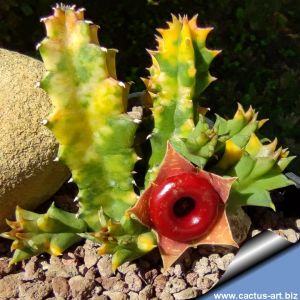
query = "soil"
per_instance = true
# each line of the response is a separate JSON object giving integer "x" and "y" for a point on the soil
{"x": 82, "y": 274}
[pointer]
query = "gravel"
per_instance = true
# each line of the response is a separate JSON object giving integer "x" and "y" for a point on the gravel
{"x": 80, "y": 273}
{"x": 69, "y": 277}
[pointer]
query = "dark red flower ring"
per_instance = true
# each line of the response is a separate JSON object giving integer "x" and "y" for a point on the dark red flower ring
{"x": 184, "y": 207}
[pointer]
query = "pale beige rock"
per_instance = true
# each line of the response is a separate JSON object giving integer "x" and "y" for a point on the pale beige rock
{"x": 127, "y": 267}
{"x": 90, "y": 254}
{"x": 28, "y": 174}
{"x": 191, "y": 278}
{"x": 115, "y": 295}
{"x": 204, "y": 283}
{"x": 57, "y": 269}
{"x": 290, "y": 234}
{"x": 104, "y": 266}
{"x": 5, "y": 268}
{"x": 9, "y": 286}
{"x": 227, "y": 259}
{"x": 134, "y": 296}
{"x": 146, "y": 292}
{"x": 34, "y": 290}
{"x": 111, "y": 283}
{"x": 80, "y": 287}
{"x": 255, "y": 232}
{"x": 202, "y": 266}
{"x": 189, "y": 293}
{"x": 175, "y": 285}
{"x": 160, "y": 283}
{"x": 166, "y": 296}
{"x": 32, "y": 270}
{"x": 60, "y": 287}
{"x": 298, "y": 224}
{"x": 133, "y": 281}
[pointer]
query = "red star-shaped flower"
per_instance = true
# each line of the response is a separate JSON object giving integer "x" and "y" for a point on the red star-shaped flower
{"x": 186, "y": 207}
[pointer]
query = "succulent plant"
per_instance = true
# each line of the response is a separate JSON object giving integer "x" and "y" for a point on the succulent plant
{"x": 51, "y": 232}
{"x": 199, "y": 173}
{"x": 94, "y": 131}
{"x": 174, "y": 203}
{"x": 178, "y": 75}
{"x": 255, "y": 162}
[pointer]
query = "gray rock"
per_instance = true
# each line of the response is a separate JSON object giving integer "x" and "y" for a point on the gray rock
{"x": 28, "y": 176}
{"x": 188, "y": 293}
{"x": 80, "y": 287}
{"x": 34, "y": 290}
{"x": 9, "y": 286}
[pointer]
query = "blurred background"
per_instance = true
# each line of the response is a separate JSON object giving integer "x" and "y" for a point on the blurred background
{"x": 260, "y": 40}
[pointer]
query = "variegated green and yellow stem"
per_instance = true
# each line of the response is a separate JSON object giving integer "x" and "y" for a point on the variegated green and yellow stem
{"x": 257, "y": 165}
{"x": 52, "y": 232}
{"x": 178, "y": 75}
{"x": 89, "y": 119}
